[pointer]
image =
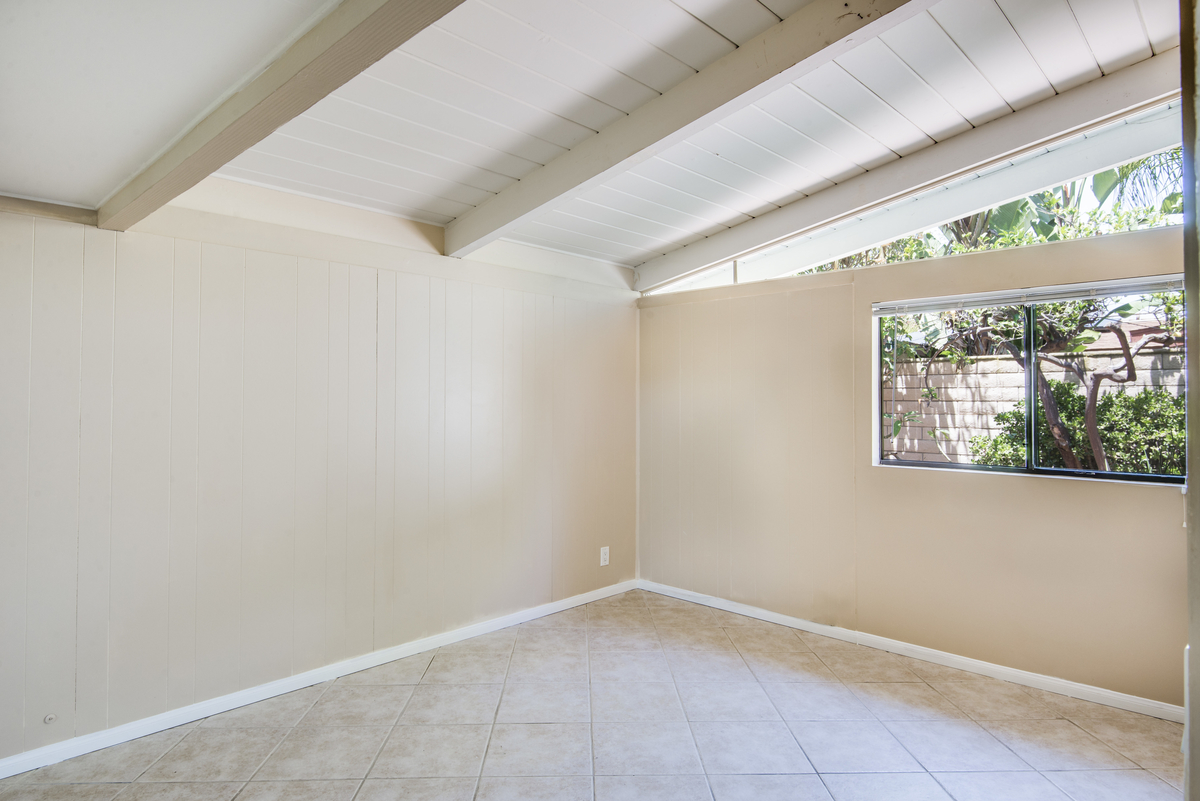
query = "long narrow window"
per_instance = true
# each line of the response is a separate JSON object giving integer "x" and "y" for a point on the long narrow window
{"x": 1101, "y": 367}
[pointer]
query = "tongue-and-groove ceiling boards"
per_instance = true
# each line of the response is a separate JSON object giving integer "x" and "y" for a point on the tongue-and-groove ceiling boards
{"x": 496, "y": 89}
{"x": 90, "y": 92}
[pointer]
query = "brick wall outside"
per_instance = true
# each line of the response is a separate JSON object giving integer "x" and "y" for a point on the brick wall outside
{"x": 969, "y": 397}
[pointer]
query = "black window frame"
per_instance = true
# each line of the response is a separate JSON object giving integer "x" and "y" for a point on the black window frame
{"x": 1018, "y": 298}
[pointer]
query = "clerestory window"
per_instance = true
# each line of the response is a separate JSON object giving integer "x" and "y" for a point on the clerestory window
{"x": 1100, "y": 366}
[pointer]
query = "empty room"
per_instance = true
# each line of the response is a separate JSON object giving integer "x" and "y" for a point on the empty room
{"x": 597, "y": 400}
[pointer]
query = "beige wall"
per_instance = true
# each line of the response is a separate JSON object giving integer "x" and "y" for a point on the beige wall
{"x": 757, "y": 489}
{"x": 237, "y": 451}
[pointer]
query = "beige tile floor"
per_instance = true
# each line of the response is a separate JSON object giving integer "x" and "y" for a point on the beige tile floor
{"x": 646, "y": 698}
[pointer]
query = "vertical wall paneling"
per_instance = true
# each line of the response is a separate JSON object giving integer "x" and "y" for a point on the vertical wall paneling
{"x": 221, "y": 466}
{"x": 535, "y": 528}
{"x": 779, "y": 377}
{"x": 439, "y": 581}
{"x": 691, "y": 442}
{"x": 805, "y": 497}
{"x": 95, "y": 480}
{"x": 743, "y": 398}
{"x": 729, "y": 432}
{"x": 339, "y": 419}
{"x": 704, "y": 430}
{"x": 412, "y": 556}
{"x": 727, "y": 545}
{"x": 360, "y": 483}
{"x": 670, "y": 470}
{"x": 564, "y": 440}
{"x": 185, "y": 395}
{"x": 487, "y": 446}
{"x": 613, "y": 345}
{"x": 774, "y": 378}
{"x": 584, "y": 319}
{"x": 585, "y": 516}
{"x": 53, "y": 480}
{"x": 648, "y": 433}
{"x": 312, "y": 464}
{"x": 16, "y": 313}
{"x": 141, "y": 465}
{"x": 514, "y": 552}
{"x": 219, "y": 471}
{"x": 461, "y": 588}
{"x": 743, "y": 576}
{"x": 269, "y": 467}
{"x": 830, "y": 536}
{"x": 542, "y": 472}
{"x": 385, "y": 466}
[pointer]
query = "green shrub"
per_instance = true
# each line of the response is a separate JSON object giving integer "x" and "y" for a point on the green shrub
{"x": 1142, "y": 432}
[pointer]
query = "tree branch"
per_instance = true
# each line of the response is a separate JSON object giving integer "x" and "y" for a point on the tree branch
{"x": 1059, "y": 432}
{"x": 1091, "y": 415}
{"x": 1074, "y": 368}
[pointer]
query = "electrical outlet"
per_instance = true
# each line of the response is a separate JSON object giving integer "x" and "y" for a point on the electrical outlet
{"x": 604, "y": 556}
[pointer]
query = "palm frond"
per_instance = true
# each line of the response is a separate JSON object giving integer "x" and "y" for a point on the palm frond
{"x": 1143, "y": 182}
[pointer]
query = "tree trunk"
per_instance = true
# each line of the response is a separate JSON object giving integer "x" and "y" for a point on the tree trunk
{"x": 1058, "y": 431}
{"x": 1091, "y": 418}
{"x": 1093, "y": 424}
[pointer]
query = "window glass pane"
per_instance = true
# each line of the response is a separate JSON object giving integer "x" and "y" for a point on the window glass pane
{"x": 953, "y": 385}
{"x": 1110, "y": 391}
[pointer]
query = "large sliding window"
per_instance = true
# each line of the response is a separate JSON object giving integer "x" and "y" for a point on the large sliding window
{"x": 1101, "y": 366}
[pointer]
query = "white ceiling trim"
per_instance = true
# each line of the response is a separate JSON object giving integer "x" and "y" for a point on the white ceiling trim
{"x": 813, "y": 36}
{"x": 352, "y": 37}
{"x": 1140, "y": 87}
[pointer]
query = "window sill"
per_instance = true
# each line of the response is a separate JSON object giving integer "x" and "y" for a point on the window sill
{"x": 1022, "y": 474}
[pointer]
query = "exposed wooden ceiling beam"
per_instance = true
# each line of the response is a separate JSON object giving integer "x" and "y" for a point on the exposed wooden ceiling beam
{"x": 814, "y": 35}
{"x": 351, "y": 38}
{"x": 1087, "y": 107}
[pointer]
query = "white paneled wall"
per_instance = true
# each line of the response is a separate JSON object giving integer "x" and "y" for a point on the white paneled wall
{"x": 221, "y": 466}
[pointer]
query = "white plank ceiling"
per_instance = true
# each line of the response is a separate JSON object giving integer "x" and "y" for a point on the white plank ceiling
{"x": 92, "y": 92}
{"x": 498, "y": 88}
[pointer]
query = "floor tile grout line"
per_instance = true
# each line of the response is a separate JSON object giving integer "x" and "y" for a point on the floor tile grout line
{"x": 387, "y": 737}
{"x": 282, "y": 739}
{"x": 1052, "y": 710}
{"x": 160, "y": 756}
{"x": 200, "y": 725}
{"x": 882, "y": 722}
{"x": 792, "y": 732}
{"x": 495, "y": 715}
{"x": 688, "y": 723}
{"x": 587, "y": 637}
{"x": 978, "y": 724}
{"x": 783, "y": 719}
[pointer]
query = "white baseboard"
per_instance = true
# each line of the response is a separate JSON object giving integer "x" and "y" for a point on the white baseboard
{"x": 77, "y": 746}
{"x": 1085, "y": 692}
